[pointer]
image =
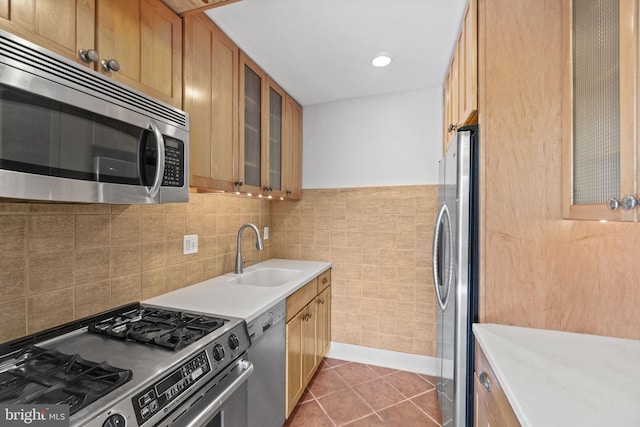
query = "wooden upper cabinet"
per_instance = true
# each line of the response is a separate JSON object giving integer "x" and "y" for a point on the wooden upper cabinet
{"x": 253, "y": 131}
{"x": 599, "y": 113}
{"x": 292, "y": 169}
{"x": 272, "y": 179}
{"x": 460, "y": 91}
{"x": 62, "y": 26}
{"x": 211, "y": 99}
{"x": 145, "y": 38}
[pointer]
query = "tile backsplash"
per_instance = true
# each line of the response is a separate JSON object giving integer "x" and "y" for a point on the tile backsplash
{"x": 60, "y": 262}
{"x": 379, "y": 240}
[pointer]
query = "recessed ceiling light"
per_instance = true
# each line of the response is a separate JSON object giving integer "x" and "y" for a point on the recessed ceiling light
{"x": 381, "y": 60}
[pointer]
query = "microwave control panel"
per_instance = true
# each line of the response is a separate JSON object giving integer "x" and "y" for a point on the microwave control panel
{"x": 174, "y": 163}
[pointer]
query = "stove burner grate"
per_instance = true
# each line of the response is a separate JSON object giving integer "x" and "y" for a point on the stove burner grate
{"x": 164, "y": 328}
{"x": 40, "y": 375}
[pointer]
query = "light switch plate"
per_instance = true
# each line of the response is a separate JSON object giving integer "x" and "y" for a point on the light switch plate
{"x": 190, "y": 244}
{"x": 266, "y": 233}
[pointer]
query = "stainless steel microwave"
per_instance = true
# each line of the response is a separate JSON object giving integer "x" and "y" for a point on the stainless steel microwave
{"x": 69, "y": 134}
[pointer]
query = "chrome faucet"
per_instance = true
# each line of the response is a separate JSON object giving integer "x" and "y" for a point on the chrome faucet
{"x": 259, "y": 245}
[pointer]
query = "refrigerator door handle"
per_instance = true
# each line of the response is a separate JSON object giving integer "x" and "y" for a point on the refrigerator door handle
{"x": 442, "y": 246}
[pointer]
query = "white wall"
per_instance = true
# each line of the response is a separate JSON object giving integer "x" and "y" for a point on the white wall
{"x": 373, "y": 141}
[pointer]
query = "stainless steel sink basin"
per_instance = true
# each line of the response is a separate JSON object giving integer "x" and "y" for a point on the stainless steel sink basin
{"x": 266, "y": 277}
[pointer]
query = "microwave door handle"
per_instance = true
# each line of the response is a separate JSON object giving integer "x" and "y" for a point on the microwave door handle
{"x": 157, "y": 182}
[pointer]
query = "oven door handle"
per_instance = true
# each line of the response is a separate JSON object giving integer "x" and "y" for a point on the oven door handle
{"x": 157, "y": 181}
{"x": 212, "y": 407}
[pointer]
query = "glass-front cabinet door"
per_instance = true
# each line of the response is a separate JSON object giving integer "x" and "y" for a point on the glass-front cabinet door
{"x": 262, "y": 107}
{"x": 599, "y": 113}
{"x": 252, "y": 125}
{"x": 273, "y": 181}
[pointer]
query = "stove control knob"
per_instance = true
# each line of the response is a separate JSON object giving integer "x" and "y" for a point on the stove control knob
{"x": 218, "y": 352}
{"x": 233, "y": 341}
{"x": 115, "y": 420}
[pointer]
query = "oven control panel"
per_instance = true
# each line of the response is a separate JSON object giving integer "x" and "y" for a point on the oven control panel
{"x": 147, "y": 403}
{"x": 174, "y": 163}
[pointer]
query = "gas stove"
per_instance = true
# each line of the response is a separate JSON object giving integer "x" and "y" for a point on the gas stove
{"x": 136, "y": 365}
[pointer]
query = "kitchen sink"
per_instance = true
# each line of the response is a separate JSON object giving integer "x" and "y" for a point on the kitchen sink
{"x": 266, "y": 277}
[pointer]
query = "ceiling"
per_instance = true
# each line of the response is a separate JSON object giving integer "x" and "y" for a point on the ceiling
{"x": 321, "y": 50}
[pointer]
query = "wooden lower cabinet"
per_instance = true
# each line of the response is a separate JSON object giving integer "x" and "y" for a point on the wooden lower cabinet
{"x": 308, "y": 333}
{"x": 492, "y": 408}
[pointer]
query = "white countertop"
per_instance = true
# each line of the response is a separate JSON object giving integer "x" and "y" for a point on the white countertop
{"x": 219, "y": 296}
{"x": 564, "y": 379}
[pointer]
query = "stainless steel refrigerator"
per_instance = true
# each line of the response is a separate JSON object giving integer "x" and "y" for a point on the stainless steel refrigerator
{"x": 455, "y": 272}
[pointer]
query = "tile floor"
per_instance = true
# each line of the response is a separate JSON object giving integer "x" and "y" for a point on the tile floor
{"x": 352, "y": 394}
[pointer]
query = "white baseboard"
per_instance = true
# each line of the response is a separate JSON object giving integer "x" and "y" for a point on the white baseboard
{"x": 388, "y": 359}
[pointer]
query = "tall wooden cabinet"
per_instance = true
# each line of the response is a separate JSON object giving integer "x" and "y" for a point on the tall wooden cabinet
{"x": 141, "y": 39}
{"x": 211, "y": 99}
{"x": 460, "y": 93}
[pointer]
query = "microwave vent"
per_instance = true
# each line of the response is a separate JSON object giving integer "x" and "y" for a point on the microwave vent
{"x": 30, "y": 58}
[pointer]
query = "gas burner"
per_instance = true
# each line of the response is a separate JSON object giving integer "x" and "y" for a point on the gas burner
{"x": 164, "y": 328}
{"x": 38, "y": 375}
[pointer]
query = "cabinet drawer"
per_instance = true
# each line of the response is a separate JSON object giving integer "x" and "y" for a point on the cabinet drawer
{"x": 498, "y": 406}
{"x": 324, "y": 280}
{"x": 301, "y": 297}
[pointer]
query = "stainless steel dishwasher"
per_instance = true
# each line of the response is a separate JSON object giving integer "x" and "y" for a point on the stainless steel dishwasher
{"x": 267, "y": 387}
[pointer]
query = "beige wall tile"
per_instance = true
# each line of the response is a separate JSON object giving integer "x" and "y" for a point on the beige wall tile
{"x": 175, "y": 277}
{"x": 126, "y": 289}
{"x": 153, "y": 283}
{"x": 380, "y": 260}
{"x": 370, "y": 234}
{"x": 92, "y": 265}
{"x": 125, "y": 229}
{"x": 49, "y": 309}
{"x": 13, "y": 278}
{"x": 152, "y": 255}
{"x": 174, "y": 227}
{"x": 92, "y": 231}
{"x": 151, "y": 227}
{"x": 50, "y": 270}
{"x": 50, "y": 233}
{"x": 125, "y": 259}
{"x": 13, "y": 235}
{"x": 13, "y": 318}
{"x": 92, "y": 298}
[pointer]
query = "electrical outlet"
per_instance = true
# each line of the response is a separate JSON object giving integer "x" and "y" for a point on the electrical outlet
{"x": 190, "y": 244}
{"x": 266, "y": 233}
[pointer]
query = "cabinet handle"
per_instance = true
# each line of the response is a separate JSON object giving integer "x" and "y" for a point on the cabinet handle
{"x": 484, "y": 380}
{"x": 452, "y": 128}
{"x": 110, "y": 65}
{"x": 613, "y": 204}
{"x": 288, "y": 192}
{"x": 628, "y": 203}
{"x": 88, "y": 55}
{"x": 321, "y": 301}
{"x": 324, "y": 280}
{"x": 238, "y": 183}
